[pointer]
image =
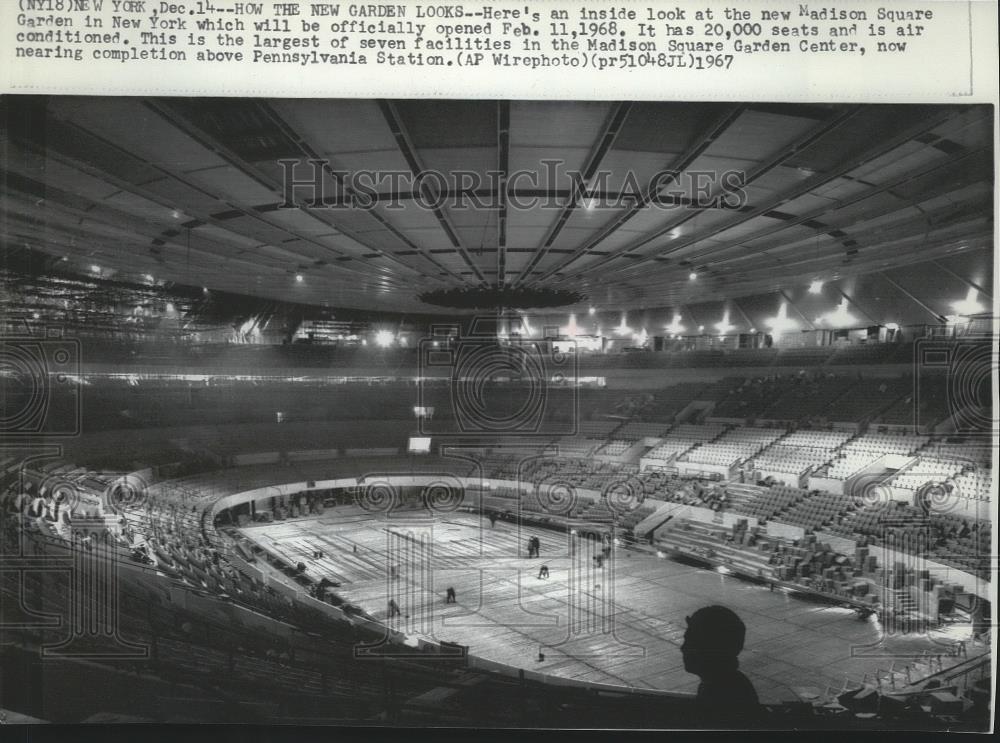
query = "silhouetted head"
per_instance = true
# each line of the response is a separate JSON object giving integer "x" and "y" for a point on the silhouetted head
{"x": 713, "y": 639}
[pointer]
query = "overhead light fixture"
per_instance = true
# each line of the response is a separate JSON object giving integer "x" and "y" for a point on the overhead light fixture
{"x": 816, "y": 287}
{"x": 591, "y": 311}
{"x": 94, "y": 268}
{"x": 724, "y": 326}
{"x": 623, "y": 328}
{"x": 170, "y": 306}
{"x": 675, "y": 326}
{"x": 526, "y": 328}
{"x": 892, "y": 326}
{"x": 781, "y": 323}
{"x": 840, "y": 317}
{"x": 570, "y": 328}
{"x": 384, "y": 338}
{"x": 969, "y": 305}
{"x": 693, "y": 275}
{"x": 299, "y": 278}
{"x": 701, "y": 328}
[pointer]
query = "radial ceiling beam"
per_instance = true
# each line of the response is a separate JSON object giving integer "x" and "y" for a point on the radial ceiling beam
{"x": 744, "y": 315}
{"x": 815, "y": 215}
{"x": 164, "y": 235}
{"x": 967, "y": 282}
{"x": 850, "y": 300}
{"x": 176, "y": 119}
{"x": 795, "y": 307}
{"x": 677, "y": 166}
{"x": 311, "y": 154}
{"x": 409, "y": 153}
{"x": 600, "y": 149}
{"x": 906, "y": 293}
{"x": 503, "y": 168}
{"x": 922, "y": 127}
{"x": 809, "y": 138}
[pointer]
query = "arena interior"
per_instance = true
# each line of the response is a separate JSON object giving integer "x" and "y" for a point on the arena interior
{"x": 283, "y": 447}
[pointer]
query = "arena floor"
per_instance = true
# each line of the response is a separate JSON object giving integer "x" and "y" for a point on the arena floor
{"x": 618, "y": 624}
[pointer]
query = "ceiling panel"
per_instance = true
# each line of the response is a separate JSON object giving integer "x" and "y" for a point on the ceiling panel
{"x": 134, "y": 181}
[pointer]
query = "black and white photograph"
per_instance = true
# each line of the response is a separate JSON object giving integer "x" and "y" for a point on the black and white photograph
{"x": 497, "y": 413}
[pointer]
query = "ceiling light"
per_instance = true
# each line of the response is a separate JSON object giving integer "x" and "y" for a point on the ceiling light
{"x": 724, "y": 326}
{"x": 384, "y": 338}
{"x": 675, "y": 326}
{"x": 692, "y": 276}
{"x": 526, "y": 328}
{"x": 95, "y": 268}
{"x": 570, "y": 328}
{"x": 816, "y": 287}
{"x": 969, "y": 305}
{"x": 623, "y": 328}
{"x": 299, "y": 278}
{"x": 781, "y": 323}
{"x": 840, "y": 317}
{"x": 591, "y": 311}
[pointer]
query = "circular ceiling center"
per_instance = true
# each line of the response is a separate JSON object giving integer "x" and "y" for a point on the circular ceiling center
{"x": 483, "y": 297}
